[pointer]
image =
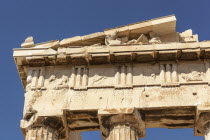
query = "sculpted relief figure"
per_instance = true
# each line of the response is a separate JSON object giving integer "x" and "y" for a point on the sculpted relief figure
{"x": 142, "y": 39}
{"x": 98, "y": 79}
{"x": 193, "y": 76}
{"x": 52, "y": 78}
{"x": 62, "y": 83}
{"x": 113, "y": 39}
{"x": 155, "y": 39}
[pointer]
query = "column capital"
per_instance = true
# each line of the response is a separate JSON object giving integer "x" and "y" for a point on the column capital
{"x": 39, "y": 124}
{"x": 41, "y": 133}
{"x": 110, "y": 118}
{"x": 203, "y": 122}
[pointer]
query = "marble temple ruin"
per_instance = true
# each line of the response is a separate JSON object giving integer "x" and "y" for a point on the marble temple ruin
{"x": 119, "y": 81}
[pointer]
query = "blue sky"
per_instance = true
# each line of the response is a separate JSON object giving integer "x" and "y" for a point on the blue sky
{"x": 57, "y": 19}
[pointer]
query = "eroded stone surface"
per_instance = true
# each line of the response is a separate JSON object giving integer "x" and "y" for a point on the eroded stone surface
{"x": 145, "y": 71}
{"x": 29, "y": 42}
{"x": 42, "y": 133}
{"x": 122, "y": 132}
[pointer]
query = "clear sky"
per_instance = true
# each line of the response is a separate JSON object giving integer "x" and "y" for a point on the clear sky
{"x": 58, "y": 19}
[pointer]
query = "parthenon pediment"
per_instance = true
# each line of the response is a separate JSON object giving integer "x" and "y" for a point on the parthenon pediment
{"x": 161, "y": 26}
{"x": 159, "y": 30}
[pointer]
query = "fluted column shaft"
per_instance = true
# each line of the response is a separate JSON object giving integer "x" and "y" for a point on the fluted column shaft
{"x": 122, "y": 132}
{"x": 75, "y": 136}
{"x": 41, "y": 133}
{"x": 207, "y": 132}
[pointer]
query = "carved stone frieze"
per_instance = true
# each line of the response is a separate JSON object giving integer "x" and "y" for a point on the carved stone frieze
{"x": 193, "y": 76}
{"x": 35, "y": 79}
{"x": 124, "y": 75}
{"x": 62, "y": 83}
{"x": 52, "y": 78}
{"x": 168, "y": 73}
{"x": 79, "y": 77}
{"x": 98, "y": 79}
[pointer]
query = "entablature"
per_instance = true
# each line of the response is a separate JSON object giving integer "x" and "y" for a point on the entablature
{"x": 112, "y": 54}
{"x": 116, "y": 75}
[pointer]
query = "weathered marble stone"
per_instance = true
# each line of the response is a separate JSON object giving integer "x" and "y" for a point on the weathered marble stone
{"x": 29, "y": 42}
{"x": 187, "y": 36}
{"x": 42, "y": 133}
{"x": 119, "y": 81}
{"x": 122, "y": 132}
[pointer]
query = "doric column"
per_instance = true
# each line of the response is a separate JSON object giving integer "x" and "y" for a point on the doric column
{"x": 43, "y": 128}
{"x": 203, "y": 125}
{"x": 123, "y": 132}
{"x": 41, "y": 133}
{"x": 207, "y": 132}
{"x": 75, "y": 136}
{"x": 126, "y": 125}
{"x": 123, "y": 127}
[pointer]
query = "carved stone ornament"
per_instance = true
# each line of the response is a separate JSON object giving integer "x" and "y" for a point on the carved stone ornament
{"x": 29, "y": 42}
{"x": 113, "y": 39}
{"x": 153, "y": 76}
{"x": 155, "y": 39}
{"x": 141, "y": 40}
{"x": 62, "y": 83}
{"x": 193, "y": 76}
{"x": 97, "y": 79}
{"x": 52, "y": 78}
